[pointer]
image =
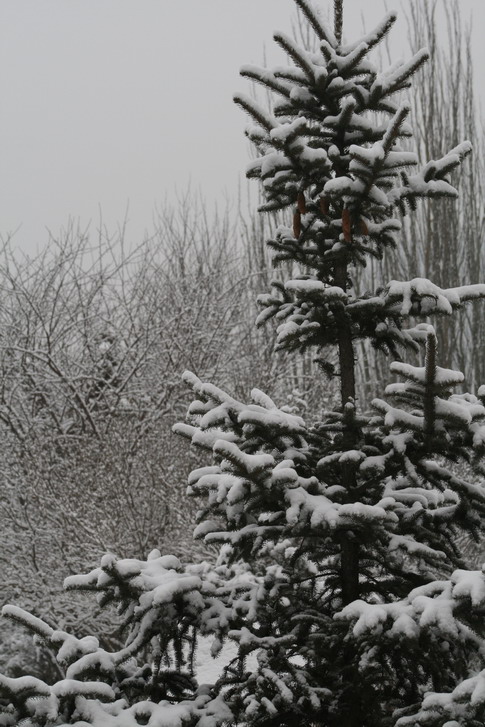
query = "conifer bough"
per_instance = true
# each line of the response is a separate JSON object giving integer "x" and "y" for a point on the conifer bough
{"x": 338, "y": 578}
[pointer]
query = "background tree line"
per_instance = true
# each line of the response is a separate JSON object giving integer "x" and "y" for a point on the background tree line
{"x": 93, "y": 342}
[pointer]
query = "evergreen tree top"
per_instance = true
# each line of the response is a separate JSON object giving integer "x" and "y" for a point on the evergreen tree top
{"x": 335, "y": 147}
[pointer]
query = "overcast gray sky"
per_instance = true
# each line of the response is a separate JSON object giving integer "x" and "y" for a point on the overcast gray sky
{"x": 113, "y": 104}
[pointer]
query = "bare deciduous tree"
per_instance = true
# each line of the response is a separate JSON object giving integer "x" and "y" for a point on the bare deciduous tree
{"x": 93, "y": 341}
{"x": 444, "y": 110}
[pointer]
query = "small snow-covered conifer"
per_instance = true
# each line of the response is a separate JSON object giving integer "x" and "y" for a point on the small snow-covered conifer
{"x": 338, "y": 577}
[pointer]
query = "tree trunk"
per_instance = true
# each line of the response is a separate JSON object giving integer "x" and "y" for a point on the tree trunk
{"x": 349, "y": 558}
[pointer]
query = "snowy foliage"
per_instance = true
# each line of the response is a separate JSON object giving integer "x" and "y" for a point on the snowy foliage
{"x": 336, "y": 572}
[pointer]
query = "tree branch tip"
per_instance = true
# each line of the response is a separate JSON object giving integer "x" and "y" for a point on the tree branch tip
{"x": 188, "y": 377}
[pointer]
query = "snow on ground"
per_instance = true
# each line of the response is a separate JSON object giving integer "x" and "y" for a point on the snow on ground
{"x": 209, "y": 669}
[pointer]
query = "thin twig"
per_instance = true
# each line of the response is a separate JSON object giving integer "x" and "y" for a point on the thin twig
{"x": 338, "y": 19}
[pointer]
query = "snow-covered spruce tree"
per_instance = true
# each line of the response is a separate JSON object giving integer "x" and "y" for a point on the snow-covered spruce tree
{"x": 337, "y": 576}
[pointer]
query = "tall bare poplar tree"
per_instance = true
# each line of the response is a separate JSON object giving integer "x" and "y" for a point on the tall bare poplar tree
{"x": 442, "y": 241}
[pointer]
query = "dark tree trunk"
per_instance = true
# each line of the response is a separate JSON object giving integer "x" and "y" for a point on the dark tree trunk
{"x": 349, "y": 559}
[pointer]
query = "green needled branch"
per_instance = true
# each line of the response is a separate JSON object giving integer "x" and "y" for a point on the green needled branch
{"x": 338, "y": 19}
